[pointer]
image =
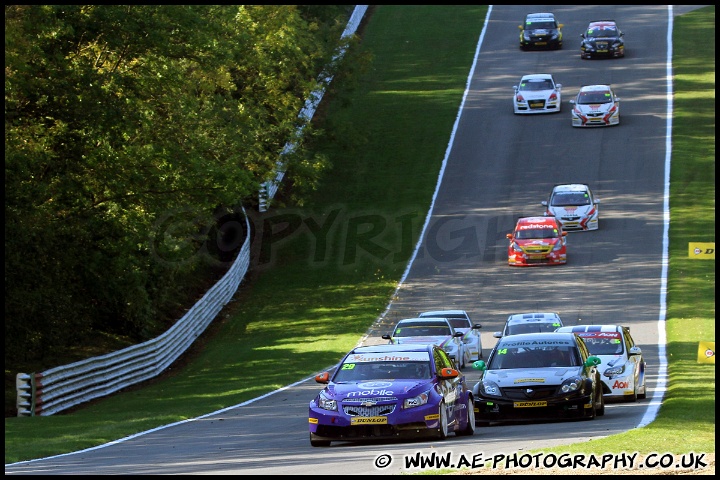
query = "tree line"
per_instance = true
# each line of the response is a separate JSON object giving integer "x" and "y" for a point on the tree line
{"x": 129, "y": 131}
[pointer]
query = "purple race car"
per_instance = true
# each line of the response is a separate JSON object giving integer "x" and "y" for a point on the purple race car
{"x": 392, "y": 391}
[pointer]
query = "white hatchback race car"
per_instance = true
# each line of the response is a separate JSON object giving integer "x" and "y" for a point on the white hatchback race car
{"x": 460, "y": 320}
{"x": 595, "y": 106}
{"x": 574, "y": 205}
{"x": 537, "y": 93}
{"x": 622, "y": 367}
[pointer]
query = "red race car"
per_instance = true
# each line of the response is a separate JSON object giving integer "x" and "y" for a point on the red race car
{"x": 537, "y": 241}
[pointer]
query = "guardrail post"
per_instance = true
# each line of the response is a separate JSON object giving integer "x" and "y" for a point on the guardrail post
{"x": 26, "y": 386}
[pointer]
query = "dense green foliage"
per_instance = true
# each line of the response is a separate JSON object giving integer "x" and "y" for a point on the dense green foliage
{"x": 130, "y": 130}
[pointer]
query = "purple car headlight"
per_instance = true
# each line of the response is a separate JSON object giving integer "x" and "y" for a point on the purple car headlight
{"x": 417, "y": 400}
{"x": 326, "y": 403}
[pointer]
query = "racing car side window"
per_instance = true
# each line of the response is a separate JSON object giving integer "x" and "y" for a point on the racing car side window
{"x": 460, "y": 323}
{"x": 575, "y": 359}
{"x": 628, "y": 341}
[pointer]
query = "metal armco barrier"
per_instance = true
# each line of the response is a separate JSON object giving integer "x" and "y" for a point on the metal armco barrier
{"x": 60, "y": 388}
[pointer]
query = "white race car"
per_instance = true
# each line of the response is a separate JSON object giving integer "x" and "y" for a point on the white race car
{"x": 460, "y": 320}
{"x": 531, "y": 322}
{"x": 595, "y": 106}
{"x": 537, "y": 93}
{"x": 574, "y": 206}
{"x": 622, "y": 367}
{"x": 436, "y": 331}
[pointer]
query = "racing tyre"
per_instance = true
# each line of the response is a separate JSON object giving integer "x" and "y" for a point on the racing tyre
{"x": 470, "y": 418}
{"x": 318, "y": 443}
{"x": 442, "y": 423}
{"x": 633, "y": 397}
{"x": 589, "y": 413}
{"x": 643, "y": 393}
{"x": 601, "y": 408}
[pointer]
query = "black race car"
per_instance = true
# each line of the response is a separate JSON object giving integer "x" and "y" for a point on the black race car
{"x": 540, "y": 31}
{"x": 538, "y": 376}
{"x": 602, "y": 39}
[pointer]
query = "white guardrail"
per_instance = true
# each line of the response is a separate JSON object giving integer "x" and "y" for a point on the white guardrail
{"x": 60, "y": 388}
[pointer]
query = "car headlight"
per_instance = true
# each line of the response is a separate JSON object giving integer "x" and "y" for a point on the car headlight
{"x": 614, "y": 371}
{"x": 451, "y": 349}
{"x": 490, "y": 388}
{"x": 417, "y": 400}
{"x": 558, "y": 245}
{"x": 327, "y": 403}
{"x": 515, "y": 247}
{"x": 571, "y": 385}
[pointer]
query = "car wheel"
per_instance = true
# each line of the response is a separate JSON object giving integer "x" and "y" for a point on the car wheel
{"x": 642, "y": 394}
{"x": 601, "y": 408}
{"x": 594, "y": 409}
{"x": 592, "y": 413}
{"x": 634, "y": 396}
{"x": 470, "y": 419}
{"x": 318, "y": 443}
{"x": 442, "y": 423}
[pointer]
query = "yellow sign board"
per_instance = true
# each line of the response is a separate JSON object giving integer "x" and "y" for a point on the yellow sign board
{"x": 701, "y": 250}
{"x": 706, "y": 352}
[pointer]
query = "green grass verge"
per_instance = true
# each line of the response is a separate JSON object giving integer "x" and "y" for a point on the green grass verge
{"x": 303, "y": 314}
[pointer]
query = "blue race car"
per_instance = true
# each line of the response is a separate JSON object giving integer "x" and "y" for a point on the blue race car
{"x": 392, "y": 391}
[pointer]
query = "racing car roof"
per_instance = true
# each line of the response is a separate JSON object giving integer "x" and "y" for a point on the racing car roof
{"x": 534, "y": 317}
{"x": 537, "y": 76}
{"x": 522, "y": 222}
{"x": 442, "y": 313}
{"x": 393, "y": 348}
{"x": 595, "y": 23}
{"x": 540, "y": 17}
{"x": 570, "y": 187}
{"x": 591, "y": 328}
{"x": 594, "y": 88}
{"x": 423, "y": 320}
{"x": 537, "y": 338}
